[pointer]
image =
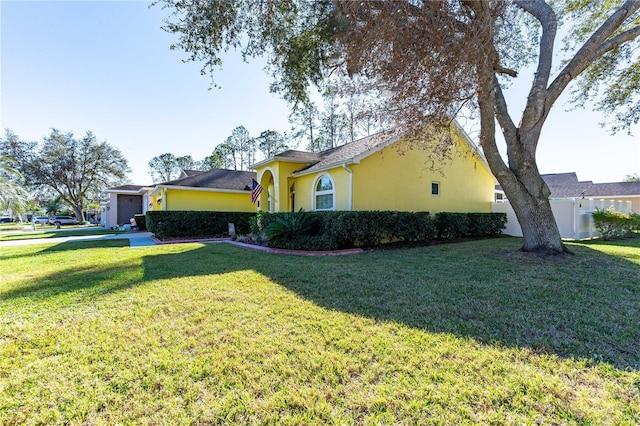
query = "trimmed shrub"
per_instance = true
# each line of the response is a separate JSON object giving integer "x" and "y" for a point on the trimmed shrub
{"x": 452, "y": 225}
{"x": 180, "y": 224}
{"x": 141, "y": 221}
{"x": 461, "y": 225}
{"x": 613, "y": 224}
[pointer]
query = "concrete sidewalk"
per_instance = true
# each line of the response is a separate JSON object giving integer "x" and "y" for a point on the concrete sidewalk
{"x": 136, "y": 239}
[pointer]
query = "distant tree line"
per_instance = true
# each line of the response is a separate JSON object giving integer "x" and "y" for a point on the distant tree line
{"x": 344, "y": 118}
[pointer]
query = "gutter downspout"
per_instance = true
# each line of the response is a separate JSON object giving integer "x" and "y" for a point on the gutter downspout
{"x": 350, "y": 200}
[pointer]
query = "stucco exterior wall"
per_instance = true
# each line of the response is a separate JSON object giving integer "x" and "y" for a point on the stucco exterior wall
{"x": 279, "y": 189}
{"x": 208, "y": 200}
{"x": 181, "y": 199}
{"x": 110, "y": 216}
{"x": 392, "y": 180}
{"x": 305, "y": 189}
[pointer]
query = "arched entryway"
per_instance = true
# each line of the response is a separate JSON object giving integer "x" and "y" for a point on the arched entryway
{"x": 268, "y": 201}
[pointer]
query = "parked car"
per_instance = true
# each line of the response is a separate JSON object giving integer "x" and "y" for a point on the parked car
{"x": 63, "y": 220}
{"x": 41, "y": 220}
{"x": 6, "y": 219}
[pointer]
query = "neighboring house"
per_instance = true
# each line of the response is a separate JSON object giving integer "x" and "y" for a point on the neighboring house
{"x": 216, "y": 190}
{"x": 379, "y": 172}
{"x": 573, "y": 201}
{"x": 567, "y": 185}
{"x": 123, "y": 203}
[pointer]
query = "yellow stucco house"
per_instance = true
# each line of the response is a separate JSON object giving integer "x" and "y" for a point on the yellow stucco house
{"x": 215, "y": 190}
{"x": 379, "y": 172}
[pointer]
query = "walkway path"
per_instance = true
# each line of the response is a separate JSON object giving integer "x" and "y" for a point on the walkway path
{"x": 136, "y": 239}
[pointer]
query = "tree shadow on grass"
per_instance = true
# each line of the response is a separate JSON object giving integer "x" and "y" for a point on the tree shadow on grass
{"x": 104, "y": 278}
{"x": 585, "y": 306}
{"x": 31, "y": 250}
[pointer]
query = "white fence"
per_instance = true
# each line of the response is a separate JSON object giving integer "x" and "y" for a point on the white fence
{"x": 573, "y": 216}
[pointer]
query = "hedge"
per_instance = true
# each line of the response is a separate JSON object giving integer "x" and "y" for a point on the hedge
{"x": 180, "y": 224}
{"x": 463, "y": 225}
{"x": 347, "y": 229}
{"x": 614, "y": 224}
{"x": 141, "y": 222}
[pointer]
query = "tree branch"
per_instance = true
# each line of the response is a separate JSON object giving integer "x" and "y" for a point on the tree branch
{"x": 536, "y": 108}
{"x": 509, "y": 129}
{"x": 596, "y": 46}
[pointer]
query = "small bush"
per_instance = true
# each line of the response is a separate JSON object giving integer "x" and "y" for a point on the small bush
{"x": 289, "y": 226}
{"x": 635, "y": 222}
{"x": 613, "y": 224}
{"x": 141, "y": 222}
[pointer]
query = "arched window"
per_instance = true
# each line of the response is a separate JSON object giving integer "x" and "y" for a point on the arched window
{"x": 324, "y": 194}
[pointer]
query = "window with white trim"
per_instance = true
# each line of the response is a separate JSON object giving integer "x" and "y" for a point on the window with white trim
{"x": 435, "y": 189}
{"x": 324, "y": 194}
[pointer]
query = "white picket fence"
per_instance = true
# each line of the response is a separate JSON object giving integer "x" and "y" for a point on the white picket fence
{"x": 573, "y": 216}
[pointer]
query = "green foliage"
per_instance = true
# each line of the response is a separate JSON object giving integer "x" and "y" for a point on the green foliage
{"x": 460, "y": 225}
{"x": 635, "y": 221}
{"x": 181, "y": 224}
{"x": 614, "y": 224}
{"x": 348, "y": 229}
{"x": 289, "y": 226}
{"x": 141, "y": 221}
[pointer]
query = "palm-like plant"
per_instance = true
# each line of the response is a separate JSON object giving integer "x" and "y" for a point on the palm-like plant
{"x": 289, "y": 225}
{"x": 12, "y": 195}
{"x": 53, "y": 207}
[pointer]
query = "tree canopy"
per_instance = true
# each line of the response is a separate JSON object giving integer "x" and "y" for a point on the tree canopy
{"x": 78, "y": 170}
{"x": 430, "y": 59}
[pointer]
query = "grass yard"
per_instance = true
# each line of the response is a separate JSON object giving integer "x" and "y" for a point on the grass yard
{"x": 468, "y": 333}
{"x": 27, "y": 233}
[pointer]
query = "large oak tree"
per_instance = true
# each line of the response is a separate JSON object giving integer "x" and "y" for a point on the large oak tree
{"x": 434, "y": 58}
{"x": 75, "y": 169}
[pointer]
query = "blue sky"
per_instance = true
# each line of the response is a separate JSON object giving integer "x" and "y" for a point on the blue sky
{"x": 106, "y": 66}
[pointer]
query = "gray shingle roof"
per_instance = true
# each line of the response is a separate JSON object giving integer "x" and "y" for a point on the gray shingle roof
{"x": 613, "y": 189}
{"x": 351, "y": 150}
{"x": 216, "y": 179}
{"x": 567, "y": 185}
{"x": 187, "y": 172}
{"x": 299, "y": 156}
{"x": 126, "y": 188}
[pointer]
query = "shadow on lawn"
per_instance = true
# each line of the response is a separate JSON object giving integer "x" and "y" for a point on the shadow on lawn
{"x": 98, "y": 280}
{"x": 585, "y": 306}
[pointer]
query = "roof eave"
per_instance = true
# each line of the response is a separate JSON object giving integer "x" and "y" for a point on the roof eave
{"x": 277, "y": 160}
{"x": 199, "y": 188}
{"x": 129, "y": 191}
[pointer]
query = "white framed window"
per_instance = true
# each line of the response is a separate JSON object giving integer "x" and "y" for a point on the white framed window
{"x": 435, "y": 189}
{"x": 324, "y": 193}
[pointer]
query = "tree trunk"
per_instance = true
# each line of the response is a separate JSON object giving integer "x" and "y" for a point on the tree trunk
{"x": 539, "y": 228}
{"x": 520, "y": 179}
{"x": 79, "y": 213}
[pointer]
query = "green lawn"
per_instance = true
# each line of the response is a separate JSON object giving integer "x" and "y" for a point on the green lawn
{"x": 25, "y": 232}
{"x": 468, "y": 333}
